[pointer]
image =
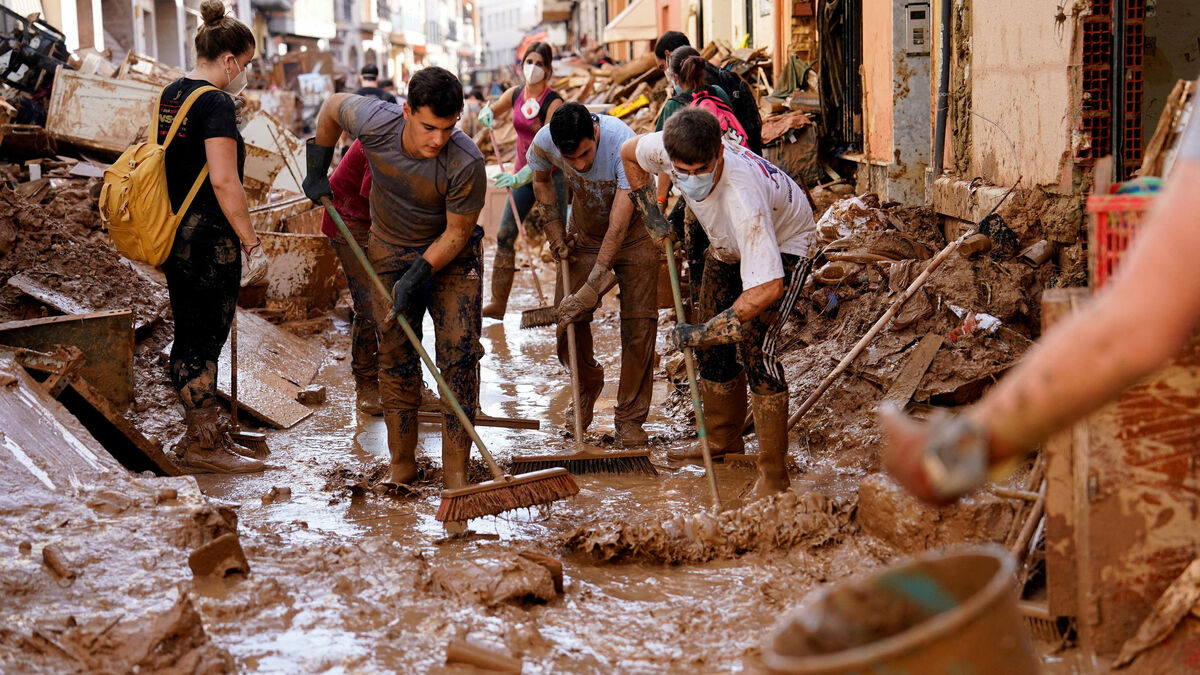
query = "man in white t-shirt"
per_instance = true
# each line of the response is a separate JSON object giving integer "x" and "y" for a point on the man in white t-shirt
{"x": 760, "y": 228}
{"x": 605, "y": 244}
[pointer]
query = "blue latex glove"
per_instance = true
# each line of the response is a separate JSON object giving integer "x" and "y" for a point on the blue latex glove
{"x": 511, "y": 180}
{"x": 486, "y": 118}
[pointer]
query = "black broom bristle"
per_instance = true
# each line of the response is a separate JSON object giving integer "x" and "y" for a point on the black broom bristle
{"x": 585, "y": 462}
{"x": 498, "y": 496}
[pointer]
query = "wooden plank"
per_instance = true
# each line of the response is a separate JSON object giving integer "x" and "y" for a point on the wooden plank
{"x": 150, "y": 450}
{"x": 426, "y": 417}
{"x": 42, "y": 446}
{"x": 67, "y": 304}
{"x": 105, "y": 338}
{"x": 914, "y": 369}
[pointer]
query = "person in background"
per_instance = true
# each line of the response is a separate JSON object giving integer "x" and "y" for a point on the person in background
{"x": 1133, "y": 326}
{"x": 469, "y": 122}
{"x": 531, "y": 105}
{"x": 388, "y": 85}
{"x": 216, "y": 249}
{"x": 369, "y": 77}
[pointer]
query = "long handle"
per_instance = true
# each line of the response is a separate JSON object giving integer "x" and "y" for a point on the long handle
{"x": 887, "y": 316}
{"x": 512, "y": 204}
{"x": 573, "y": 358}
{"x": 233, "y": 370}
{"x": 447, "y": 395}
{"x": 690, "y": 361}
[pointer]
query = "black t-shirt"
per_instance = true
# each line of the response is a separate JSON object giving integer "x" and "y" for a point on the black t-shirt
{"x": 211, "y": 116}
{"x": 375, "y": 92}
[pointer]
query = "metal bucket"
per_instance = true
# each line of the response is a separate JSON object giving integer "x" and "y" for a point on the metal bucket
{"x": 948, "y": 611}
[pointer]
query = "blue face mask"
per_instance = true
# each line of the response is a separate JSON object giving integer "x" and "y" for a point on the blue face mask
{"x": 696, "y": 186}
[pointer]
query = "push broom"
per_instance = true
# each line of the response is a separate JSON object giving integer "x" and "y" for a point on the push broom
{"x": 586, "y": 458}
{"x": 503, "y": 492}
{"x": 690, "y": 361}
{"x": 545, "y": 314}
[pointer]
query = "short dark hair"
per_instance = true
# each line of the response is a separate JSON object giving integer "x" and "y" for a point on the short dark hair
{"x": 692, "y": 136}
{"x": 669, "y": 42}
{"x": 369, "y": 71}
{"x": 386, "y": 82}
{"x": 437, "y": 88}
{"x": 570, "y": 125}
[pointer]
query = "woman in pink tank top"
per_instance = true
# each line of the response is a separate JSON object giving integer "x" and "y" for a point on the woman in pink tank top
{"x": 531, "y": 106}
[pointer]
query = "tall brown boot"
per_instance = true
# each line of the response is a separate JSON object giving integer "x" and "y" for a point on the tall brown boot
{"x": 724, "y": 418}
{"x": 366, "y": 391}
{"x": 402, "y": 445}
{"x": 770, "y": 425}
{"x": 503, "y": 270}
{"x": 203, "y": 448}
{"x": 456, "y": 448}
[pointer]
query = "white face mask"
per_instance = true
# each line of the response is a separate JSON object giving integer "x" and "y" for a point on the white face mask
{"x": 671, "y": 81}
{"x": 534, "y": 73}
{"x": 695, "y": 186}
{"x": 237, "y": 84}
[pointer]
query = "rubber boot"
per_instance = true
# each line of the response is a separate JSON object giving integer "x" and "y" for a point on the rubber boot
{"x": 724, "y": 418}
{"x": 203, "y": 447}
{"x": 631, "y": 435}
{"x": 770, "y": 425}
{"x": 503, "y": 271}
{"x": 402, "y": 446}
{"x": 587, "y": 404}
{"x": 367, "y": 394}
{"x": 455, "y": 452}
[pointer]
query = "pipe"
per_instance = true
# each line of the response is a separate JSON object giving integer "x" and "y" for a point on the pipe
{"x": 943, "y": 94}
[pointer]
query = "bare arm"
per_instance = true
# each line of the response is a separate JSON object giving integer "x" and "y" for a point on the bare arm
{"x": 634, "y": 173}
{"x": 328, "y": 128}
{"x": 753, "y": 301}
{"x": 618, "y": 226}
{"x": 663, "y": 189}
{"x": 451, "y": 242}
{"x": 223, "y": 173}
{"x": 543, "y": 190}
{"x": 504, "y": 102}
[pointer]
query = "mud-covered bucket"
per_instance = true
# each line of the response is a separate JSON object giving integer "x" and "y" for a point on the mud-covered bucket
{"x": 951, "y": 611}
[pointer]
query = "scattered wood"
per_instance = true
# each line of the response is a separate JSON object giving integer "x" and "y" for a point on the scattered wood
{"x": 909, "y": 379}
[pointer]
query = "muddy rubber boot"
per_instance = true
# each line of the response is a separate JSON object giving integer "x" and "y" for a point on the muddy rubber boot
{"x": 503, "y": 271}
{"x": 770, "y": 425}
{"x": 366, "y": 392}
{"x": 454, "y": 459}
{"x": 724, "y": 418}
{"x": 202, "y": 447}
{"x": 429, "y": 400}
{"x": 630, "y": 435}
{"x": 402, "y": 446}
{"x": 233, "y": 446}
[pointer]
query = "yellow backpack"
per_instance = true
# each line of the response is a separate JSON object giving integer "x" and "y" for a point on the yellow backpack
{"x": 135, "y": 205}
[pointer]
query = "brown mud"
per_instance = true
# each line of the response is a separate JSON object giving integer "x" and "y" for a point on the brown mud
{"x": 346, "y": 576}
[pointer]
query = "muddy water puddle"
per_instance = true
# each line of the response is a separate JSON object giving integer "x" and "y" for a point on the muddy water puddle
{"x": 343, "y": 583}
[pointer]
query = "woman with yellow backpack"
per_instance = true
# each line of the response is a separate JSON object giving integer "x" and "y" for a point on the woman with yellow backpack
{"x": 205, "y": 267}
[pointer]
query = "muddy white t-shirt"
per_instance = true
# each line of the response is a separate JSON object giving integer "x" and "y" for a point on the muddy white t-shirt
{"x": 754, "y": 212}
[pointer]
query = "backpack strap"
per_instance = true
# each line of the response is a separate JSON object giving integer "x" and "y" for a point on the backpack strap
{"x": 183, "y": 111}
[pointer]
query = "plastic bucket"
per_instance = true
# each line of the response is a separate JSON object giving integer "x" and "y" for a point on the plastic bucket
{"x": 951, "y": 611}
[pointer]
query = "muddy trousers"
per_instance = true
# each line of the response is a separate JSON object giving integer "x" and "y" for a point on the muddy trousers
{"x": 452, "y": 298}
{"x": 636, "y": 267}
{"x": 364, "y": 341}
{"x": 759, "y": 351}
{"x": 203, "y": 274}
{"x": 506, "y": 235}
{"x": 695, "y": 244}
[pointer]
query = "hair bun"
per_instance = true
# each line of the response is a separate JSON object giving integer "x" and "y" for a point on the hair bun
{"x": 213, "y": 12}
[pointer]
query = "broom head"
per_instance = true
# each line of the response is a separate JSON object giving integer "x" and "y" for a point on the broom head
{"x": 589, "y": 459}
{"x": 505, "y": 494}
{"x": 542, "y": 316}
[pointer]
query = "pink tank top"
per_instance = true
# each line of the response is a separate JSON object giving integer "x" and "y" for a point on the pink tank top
{"x": 527, "y": 128}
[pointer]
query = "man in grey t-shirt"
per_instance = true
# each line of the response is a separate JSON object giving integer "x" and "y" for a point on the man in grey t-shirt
{"x": 608, "y": 245}
{"x": 428, "y": 186}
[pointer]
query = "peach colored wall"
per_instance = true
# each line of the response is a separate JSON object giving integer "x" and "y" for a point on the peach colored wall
{"x": 669, "y": 15}
{"x": 877, "y": 72}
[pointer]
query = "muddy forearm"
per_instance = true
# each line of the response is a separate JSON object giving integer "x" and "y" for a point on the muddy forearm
{"x": 447, "y": 247}
{"x": 232, "y": 199}
{"x": 543, "y": 191}
{"x": 634, "y": 173}
{"x": 329, "y": 129}
{"x": 754, "y": 301}
{"x": 618, "y": 228}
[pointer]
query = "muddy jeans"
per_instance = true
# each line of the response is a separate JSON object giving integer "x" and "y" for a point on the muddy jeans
{"x": 506, "y": 235}
{"x": 453, "y": 298}
{"x": 759, "y": 351}
{"x": 695, "y": 244}
{"x": 636, "y": 267}
{"x": 203, "y": 274}
{"x": 364, "y": 342}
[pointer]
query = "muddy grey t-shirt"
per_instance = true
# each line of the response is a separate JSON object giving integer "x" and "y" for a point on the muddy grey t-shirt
{"x": 410, "y": 196}
{"x": 593, "y": 191}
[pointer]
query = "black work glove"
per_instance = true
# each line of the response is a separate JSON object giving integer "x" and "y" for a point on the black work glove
{"x": 316, "y": 181}
{"x": 410, "y": 283}
{"x": 722, "y": 329}
{"x": 646, "y": 202}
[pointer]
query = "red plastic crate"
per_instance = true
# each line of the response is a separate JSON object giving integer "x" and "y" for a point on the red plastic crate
{"x": 1115, "y": 222}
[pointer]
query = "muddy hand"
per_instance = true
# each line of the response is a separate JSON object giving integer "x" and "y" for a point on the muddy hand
{"x": 722, "y": 329}
{"x": 645, "y": 200}
{"x": 581, "y": 301}
{"x": 254, "y": 264}
{"x": 408, "y": 285}
{"x": 316, "y": 181}
{"x": 936, "y": 461}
